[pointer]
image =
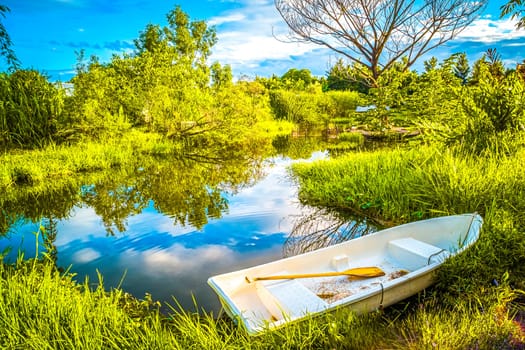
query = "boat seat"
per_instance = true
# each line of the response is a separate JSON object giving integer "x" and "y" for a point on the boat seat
{"x": 413, "y": 254}
{"x": 288, "y": 299}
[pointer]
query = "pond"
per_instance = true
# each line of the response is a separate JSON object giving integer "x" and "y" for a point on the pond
{"x": 165, "y": 229}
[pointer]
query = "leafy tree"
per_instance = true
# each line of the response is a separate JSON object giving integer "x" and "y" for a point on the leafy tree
{"x": 492, "y": 113}
{"x": 343, "y": 76}
{"x": 431, "y": 64}
{"x": 376, "y": 34}
{"x": 461, "y": 67}
{"x": 151, "y": 39}
{"x": 491, "y": 60}
{"x": 221, "y": 76}
{"x": 165, "y": 86}
{"x": 301, "y": 78}
{"x": 392, "y": 89}
{"x": 191, "y": 39}
{"x": 162, "y": 85}
{"x": 432, "y": 97}
{"x": 517, "y": 9}
{"x": 5, "y": 43}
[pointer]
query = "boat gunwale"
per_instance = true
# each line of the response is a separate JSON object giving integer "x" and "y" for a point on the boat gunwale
{"x": 471, "y": 235}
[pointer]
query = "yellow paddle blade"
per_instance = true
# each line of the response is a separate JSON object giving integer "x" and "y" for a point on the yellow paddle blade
{"x": 369, "y": 271}
{"x": 354, "y": 273}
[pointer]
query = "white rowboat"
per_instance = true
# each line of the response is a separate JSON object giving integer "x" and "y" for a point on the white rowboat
{"x": 407, "y": 254}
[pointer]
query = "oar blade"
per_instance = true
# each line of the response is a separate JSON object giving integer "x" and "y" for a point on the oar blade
{"x": 364, "y": 272}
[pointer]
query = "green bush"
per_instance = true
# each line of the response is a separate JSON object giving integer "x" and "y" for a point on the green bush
{"x": 29, "y": 109}
{"x": 343, "y": 103}
{"x": 492, "y": 114}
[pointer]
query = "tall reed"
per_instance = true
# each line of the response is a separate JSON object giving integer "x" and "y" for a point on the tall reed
{"x": 402, "y": 184}
{"x": 30, "y": 108}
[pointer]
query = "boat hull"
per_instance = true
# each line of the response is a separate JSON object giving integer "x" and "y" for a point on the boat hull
{"x": 409, "y": 254}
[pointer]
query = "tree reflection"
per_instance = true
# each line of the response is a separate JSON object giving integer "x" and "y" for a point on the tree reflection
{"x": 115, "y": 198}
{"x": 298, "y": 147}
{"x": 193, "y": 190}
{"x": 322, "y": 228}
{"x": 31, "y": 204}
{"x": 189, "y": 189}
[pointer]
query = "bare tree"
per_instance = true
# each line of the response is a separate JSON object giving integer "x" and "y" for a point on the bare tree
{"x": 374, "y": 34}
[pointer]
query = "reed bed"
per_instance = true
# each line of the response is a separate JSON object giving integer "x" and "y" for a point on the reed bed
{"x": 404, "y": 184}
{"x": 33, "y": 167}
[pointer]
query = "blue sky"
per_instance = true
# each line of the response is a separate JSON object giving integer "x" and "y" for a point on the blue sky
{"x": 46, "y": 34}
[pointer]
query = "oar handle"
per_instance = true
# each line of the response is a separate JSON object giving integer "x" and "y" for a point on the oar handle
{"x": 302, "y": 275}
{"x": 360, "y": 272}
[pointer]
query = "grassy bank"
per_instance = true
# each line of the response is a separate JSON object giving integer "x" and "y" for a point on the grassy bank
{"x": 403, "y": 184}
{"x": 400, "y": 185}
{"x": 41, "y": 308}
{"x": 59, "y": 162}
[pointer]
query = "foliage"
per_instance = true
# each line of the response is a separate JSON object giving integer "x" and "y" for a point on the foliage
{"x": 5, "y": 43}
{"x": 343, "y": 76}
{"x": 461, "y": 67}
{"x": 313, "y": 107}
{"x": 30, "y": 109}
{"x": 492, "y": 114}
{"x": 516, "y": 8}
{"x": 293, "y": 80}
{"x": 167, "y": 87}
{"x": 299, "y": 79}
{"x": 297, "y": 106}
{"x": 490, "y": 63}
{"x": 431, "y": 98}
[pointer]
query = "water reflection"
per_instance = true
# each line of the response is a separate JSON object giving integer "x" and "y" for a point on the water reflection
{"x": 167, "y": 224}
{"x": 322, "y": 228}
{"x": 162, "y": 228}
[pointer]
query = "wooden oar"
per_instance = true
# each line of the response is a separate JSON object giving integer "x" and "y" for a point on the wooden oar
{"x": 354, "y": 273}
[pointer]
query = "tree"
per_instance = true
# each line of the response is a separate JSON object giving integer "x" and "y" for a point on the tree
{"x": 491, "y": 60}
{"x": 343, "y": 76}
{"x": 378, "y": 33}
{"x": 298, "y": 77}
{"x": 461, "y": 67}
{"x": 517, "y": 8}
{"x": 5, "y": 43}
{"x": 221, "y": 76}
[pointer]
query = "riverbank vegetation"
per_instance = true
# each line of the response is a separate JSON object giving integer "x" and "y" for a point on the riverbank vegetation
{"x": 459, "y": 132}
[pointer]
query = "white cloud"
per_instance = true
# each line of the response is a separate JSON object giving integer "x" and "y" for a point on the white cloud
{"x": 86, "y": 255}
{"x": 178, "y": 260}
{"x": 487, "y": 30}
{"x": 247, "y": 38}
{"x": 234, "y": 17}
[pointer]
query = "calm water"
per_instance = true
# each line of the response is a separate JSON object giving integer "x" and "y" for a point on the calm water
{"x": 126, "y": 229}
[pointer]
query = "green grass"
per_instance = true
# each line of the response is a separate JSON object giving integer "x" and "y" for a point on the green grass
{"x": 41, "y": 308}
{"x": 404, "y": 184}
{"x": 33, "y": 167}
